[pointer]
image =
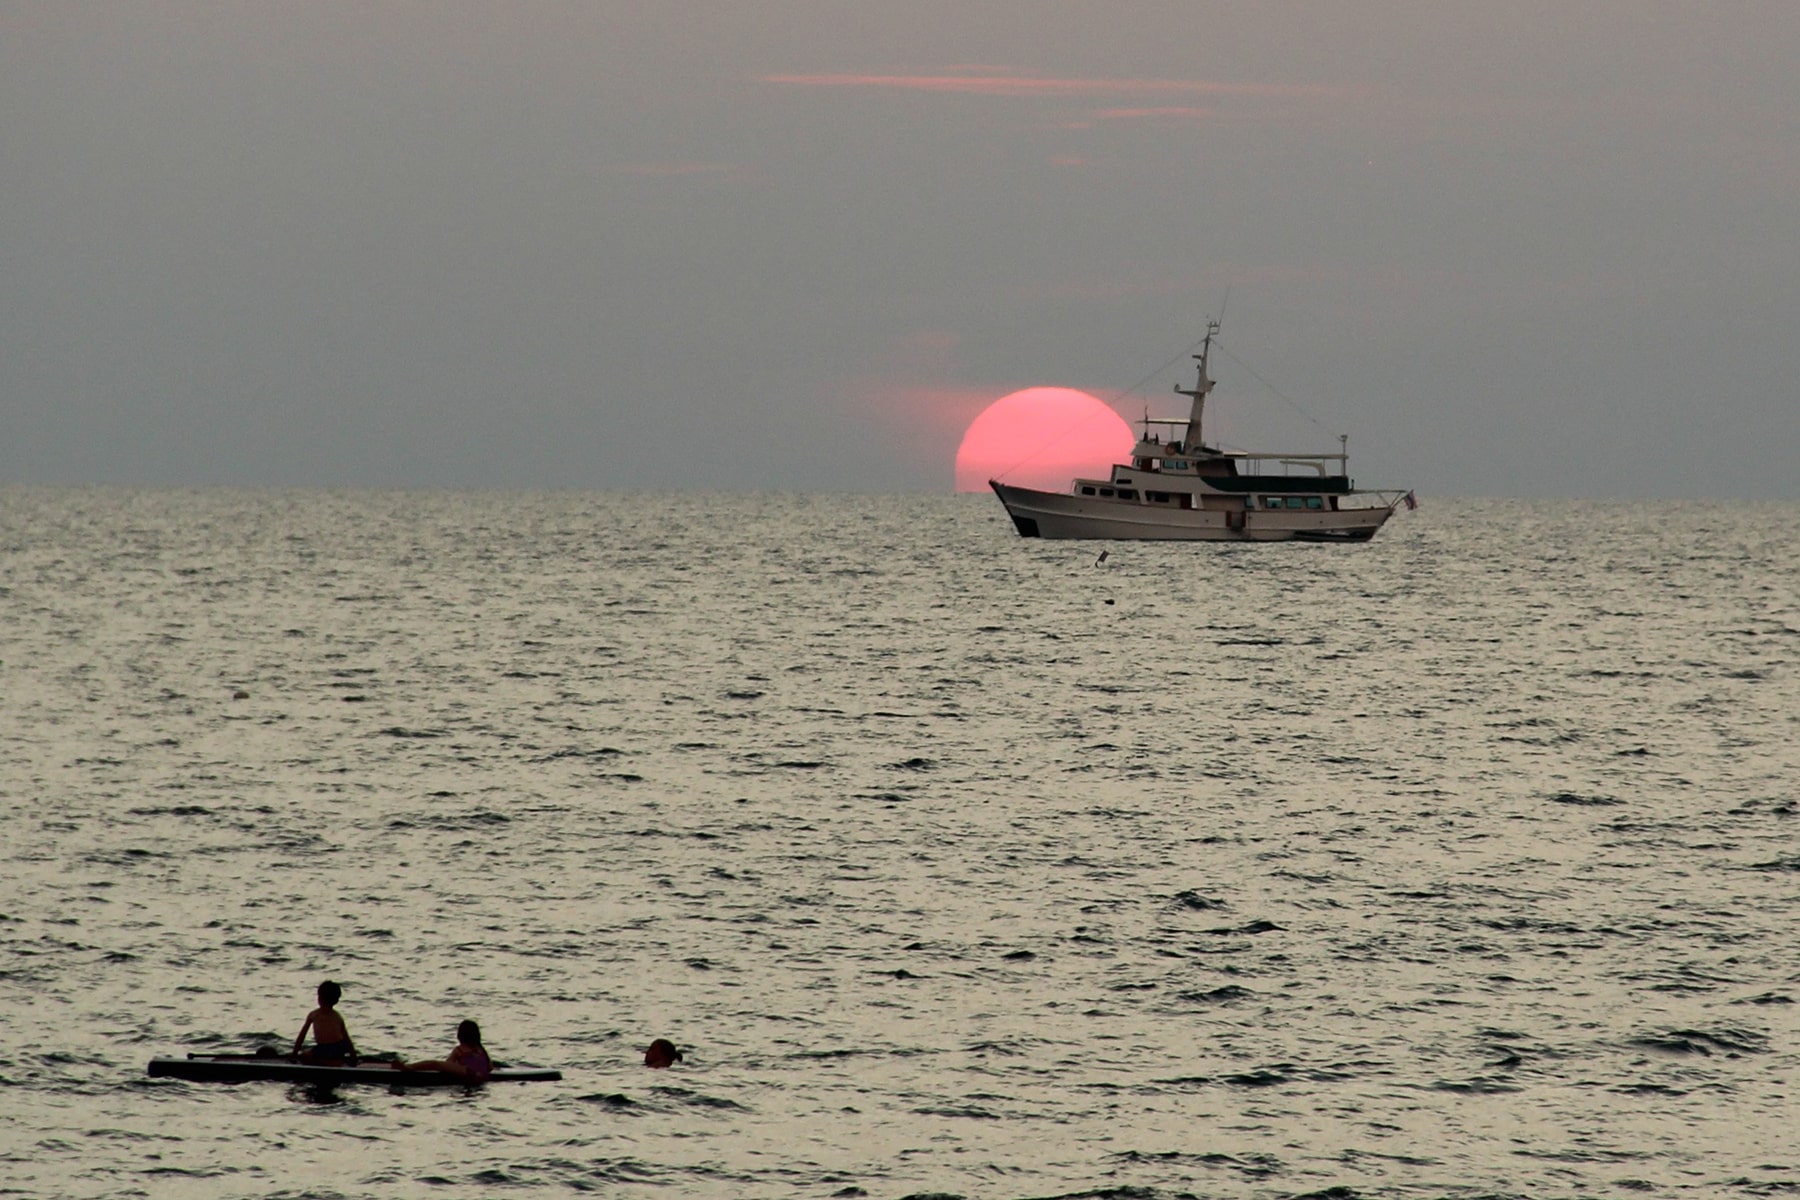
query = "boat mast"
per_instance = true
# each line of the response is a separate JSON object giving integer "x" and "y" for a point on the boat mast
{"x": 1190, "y": 441}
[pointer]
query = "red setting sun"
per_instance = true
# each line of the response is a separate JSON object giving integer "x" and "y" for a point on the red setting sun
{"x": 1041, "y": 437}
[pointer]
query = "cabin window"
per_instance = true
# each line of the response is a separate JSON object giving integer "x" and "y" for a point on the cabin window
{"x": 1128, "y": 493}
{"x": 1087, "y": 491}
{"x": 1271, "y": 501}
{"x": 1314, "y": 502}
{"x": 1295, "y": 502}
{"x": 1157, "y": 497}
{"x": 1106, "y": 491}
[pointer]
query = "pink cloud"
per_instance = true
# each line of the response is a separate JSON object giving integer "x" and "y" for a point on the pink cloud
{"x": 1015, "y": 85}
{"x": 1177, "y": 112}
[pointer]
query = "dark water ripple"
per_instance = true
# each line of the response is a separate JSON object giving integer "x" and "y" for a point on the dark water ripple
{"x": 1461, "y": 864}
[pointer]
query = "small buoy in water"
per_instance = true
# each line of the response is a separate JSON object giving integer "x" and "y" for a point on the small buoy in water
{"x": 1109, "y": 599}
{"x": 1102, "y": 557}
{"x": 240, "y": 694}
{"x": 661, "y": 1053}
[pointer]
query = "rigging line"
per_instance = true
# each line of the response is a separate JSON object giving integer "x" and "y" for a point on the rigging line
{"x": 1152, "y": 375}
{"x": 1278, "y": 394}
{"x": 1057, "y": 438}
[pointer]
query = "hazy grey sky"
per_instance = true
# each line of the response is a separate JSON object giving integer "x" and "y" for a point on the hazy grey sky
{"x": 1511, "y": 249}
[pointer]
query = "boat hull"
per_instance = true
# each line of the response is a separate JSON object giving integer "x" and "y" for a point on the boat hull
{"x": 1062, "y": 515}
{"x": 231, "y": 1068}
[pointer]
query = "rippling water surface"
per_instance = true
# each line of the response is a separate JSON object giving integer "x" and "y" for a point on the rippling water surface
{"x": 1463, "y": 863}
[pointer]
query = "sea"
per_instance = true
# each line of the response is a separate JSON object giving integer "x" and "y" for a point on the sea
{"x": 1463, "y": 863}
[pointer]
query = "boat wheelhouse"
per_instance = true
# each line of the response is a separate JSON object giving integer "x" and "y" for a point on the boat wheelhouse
{"x": 1178, "y": 488}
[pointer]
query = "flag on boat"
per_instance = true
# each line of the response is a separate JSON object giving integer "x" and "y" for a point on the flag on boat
{"x": 1411, "y": 501}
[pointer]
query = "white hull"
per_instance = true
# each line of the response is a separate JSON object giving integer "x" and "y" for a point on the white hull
{"x": 1061, "y": 515}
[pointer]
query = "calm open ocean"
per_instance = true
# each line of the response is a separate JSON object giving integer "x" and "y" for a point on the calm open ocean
{"x": 1462, "y": 863}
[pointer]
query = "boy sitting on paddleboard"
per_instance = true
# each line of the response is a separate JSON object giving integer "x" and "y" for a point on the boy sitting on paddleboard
{"x": 331, "y": 1040}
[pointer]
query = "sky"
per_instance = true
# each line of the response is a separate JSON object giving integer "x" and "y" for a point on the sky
{"x": 1510, "y": 249}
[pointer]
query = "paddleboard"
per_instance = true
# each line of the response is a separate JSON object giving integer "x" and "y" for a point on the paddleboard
{"x": 242, "y": 1068}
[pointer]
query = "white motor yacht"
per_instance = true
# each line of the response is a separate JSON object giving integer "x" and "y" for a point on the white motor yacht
{"x": 1178, "y": 488}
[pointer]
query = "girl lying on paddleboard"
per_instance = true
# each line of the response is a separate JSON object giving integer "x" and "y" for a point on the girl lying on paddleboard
{"x": 468, "y": 1060}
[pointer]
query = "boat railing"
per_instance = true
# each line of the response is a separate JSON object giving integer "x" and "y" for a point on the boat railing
{"x": 1286, "y": 456}
{"x": 1262, "y": 463}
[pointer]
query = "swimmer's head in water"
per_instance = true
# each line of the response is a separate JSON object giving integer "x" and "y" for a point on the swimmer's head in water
{"x": 661, "y": 1053}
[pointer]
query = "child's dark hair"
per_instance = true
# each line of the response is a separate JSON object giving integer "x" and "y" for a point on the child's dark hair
{"x": 330, "y": 993}
{"x": 469, "y": 1033}
{"x": 662, "y": 1053}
